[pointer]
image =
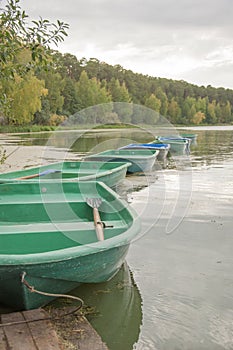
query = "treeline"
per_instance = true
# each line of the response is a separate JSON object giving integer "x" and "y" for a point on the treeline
{"x": 49, "y": 96}
{"x": 39, "y": 86}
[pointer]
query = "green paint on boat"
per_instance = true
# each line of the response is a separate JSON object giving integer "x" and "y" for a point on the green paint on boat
{"x": 109, "y": 173}
{"x": 141, "y": 160}
{"x": 192, "y": 137}
{"x": 176, "y": 146}
{"x": 47, "y": 232}
{"x": 189, "y": 136}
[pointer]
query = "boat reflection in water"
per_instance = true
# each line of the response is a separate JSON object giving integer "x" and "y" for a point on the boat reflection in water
{"x": 115, "y": 309}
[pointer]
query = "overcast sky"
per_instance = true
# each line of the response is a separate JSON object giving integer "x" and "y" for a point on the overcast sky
{"x": 190, "y": 40}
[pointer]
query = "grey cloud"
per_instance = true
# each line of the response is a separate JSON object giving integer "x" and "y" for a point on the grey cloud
{"x": 219, "y": 75}
{"x": 136, "y": 19}
{"x": 164, "y": 13}
{"x": 143, "y": 12}
{"x": 152, "y": 29}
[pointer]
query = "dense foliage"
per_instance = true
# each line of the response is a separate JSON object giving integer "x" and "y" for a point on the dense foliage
{"x": 40, "y": 86}
{"x": 24, "y": 49}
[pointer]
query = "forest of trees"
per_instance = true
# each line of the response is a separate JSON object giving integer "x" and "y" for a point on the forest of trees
{"x": 45, "y": 87}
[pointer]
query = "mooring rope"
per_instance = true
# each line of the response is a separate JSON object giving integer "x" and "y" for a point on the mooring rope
{"x": 33, "y": 290}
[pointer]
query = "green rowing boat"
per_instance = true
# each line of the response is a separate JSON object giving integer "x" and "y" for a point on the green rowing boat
{"x": 109, "y": 173}
{"x": 192, "y": 137}
{"x": 177, "y": 145}
{"x": 48, "y": 238}
{"x": 141, "y": 160}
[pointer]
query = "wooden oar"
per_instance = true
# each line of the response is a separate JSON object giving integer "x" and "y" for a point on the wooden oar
{"x": 95, "y": 203}
{"x": 46, "y": 172}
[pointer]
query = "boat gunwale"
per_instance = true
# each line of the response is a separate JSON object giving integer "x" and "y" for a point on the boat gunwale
{"x": 81, "y": 250}
{"x": 121, "y": 239}
{"x": 173, "y": 140}
{"x": 150, "y": 146}
{"x": 90, "y": 177}
{"x": 124, "y": 156}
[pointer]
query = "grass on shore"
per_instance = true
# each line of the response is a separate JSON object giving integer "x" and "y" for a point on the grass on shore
{"x": 39, "y": 128}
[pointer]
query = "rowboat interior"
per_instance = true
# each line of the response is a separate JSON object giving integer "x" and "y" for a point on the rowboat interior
{"x": 38, "y": 218}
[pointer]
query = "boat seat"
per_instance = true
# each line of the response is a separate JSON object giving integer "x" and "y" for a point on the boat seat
{"x": 27, "y": 228}
{"x": 41, "y": 198}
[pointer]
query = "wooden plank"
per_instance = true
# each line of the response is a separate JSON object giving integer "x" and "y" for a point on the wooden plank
{"x": 75, "y": 331}
{"x": 43, "y": 334}
{"x": 3, "y": 343}
{"x": 18, "y": 337}
{"x": 40, "y": 335}
{"x": 89, "y": 338}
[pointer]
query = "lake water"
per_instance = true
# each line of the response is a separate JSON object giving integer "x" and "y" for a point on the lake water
{"x": 176, "y": 290}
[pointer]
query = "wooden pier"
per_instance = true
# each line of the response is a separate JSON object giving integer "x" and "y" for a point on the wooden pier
{"x": 34, "y": 330}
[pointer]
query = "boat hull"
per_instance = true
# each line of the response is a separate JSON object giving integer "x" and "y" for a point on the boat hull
{"x": 47, "y": 232}
{"x": 177, "y": 146}
{"x": 109, "y": 173}
{"x": 162, "y": 148}
{"x": 58, "y": 277}
{"x": 141, "y": 160}
{"x": 191, "y": 137}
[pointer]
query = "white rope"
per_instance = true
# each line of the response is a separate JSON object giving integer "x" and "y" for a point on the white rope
{"x": 33, "y": 290}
